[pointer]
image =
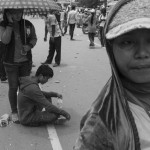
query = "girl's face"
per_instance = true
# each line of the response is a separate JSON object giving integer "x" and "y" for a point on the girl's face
{"x": 16, "y": 14}
{"x": 132, "y": 55}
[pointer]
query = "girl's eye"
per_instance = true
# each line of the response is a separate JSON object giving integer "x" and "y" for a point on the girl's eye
{"x": 127, "y": 42}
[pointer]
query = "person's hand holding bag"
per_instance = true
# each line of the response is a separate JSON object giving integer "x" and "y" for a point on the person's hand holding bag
{"x": 25, "y": 49}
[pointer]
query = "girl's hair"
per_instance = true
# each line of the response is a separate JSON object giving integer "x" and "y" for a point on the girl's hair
{"x": 103, "y": 11}
{"x": 8, "y": 10}
{"x": 92, "y": 18}
{"x": 44, "y": 70}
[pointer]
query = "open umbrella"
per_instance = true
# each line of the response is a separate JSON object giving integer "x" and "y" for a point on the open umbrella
{"x": 30, "y": 6}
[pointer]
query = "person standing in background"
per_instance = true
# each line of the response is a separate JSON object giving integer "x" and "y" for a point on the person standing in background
{"x": 72, "y": 21}
{"x": 102, "y": 20}
{"x": 65, "y": 21}
{"x": 54, "y": 41}
{"x": 20, "y": 37}
{"x": 45, "y": 17}
{"x": 3, "y": 77}
{"x": 92, "y": 22}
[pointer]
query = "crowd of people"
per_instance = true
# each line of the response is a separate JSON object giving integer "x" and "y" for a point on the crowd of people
{"x": 119, "y": 118}
{"x": 17, "y": 38}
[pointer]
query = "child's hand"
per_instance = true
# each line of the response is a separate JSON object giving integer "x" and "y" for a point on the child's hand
{"x": 59, "y": 96}
{"x": 65, "y": 114}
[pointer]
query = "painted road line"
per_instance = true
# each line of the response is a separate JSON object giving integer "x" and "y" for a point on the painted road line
{"x": 53, "y": 137}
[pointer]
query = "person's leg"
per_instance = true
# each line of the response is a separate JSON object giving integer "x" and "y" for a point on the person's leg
{"x": 39, "y": 118}
{"x": 90, "y": 38}
{"x": 24, "y": 69}
{"x": 73, "y": 27}
{"x": 65, "y": 28}
{"x": 46, "y": 32}
{"x": 2, "y": 71}
{"x": 101, "y": 36}
{"x": 71, "y": 31}
{"x": 12, "y": 74}
{"x": 58, "y": 50}
{"x": 51, "y": 51}
{"x": 93, "y": 36}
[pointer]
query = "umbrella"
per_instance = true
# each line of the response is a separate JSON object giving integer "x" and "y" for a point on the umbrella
{"x": 30, "y": 6}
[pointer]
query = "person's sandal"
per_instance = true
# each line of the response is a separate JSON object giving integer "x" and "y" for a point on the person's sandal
{"x": 14, "y": 118}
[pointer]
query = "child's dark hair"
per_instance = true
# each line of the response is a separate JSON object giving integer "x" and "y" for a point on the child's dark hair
{"x": 73, "y": 7}
{"x": 44, "y": 70}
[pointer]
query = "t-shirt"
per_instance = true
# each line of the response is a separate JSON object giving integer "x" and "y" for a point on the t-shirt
{"x": 72, "y": 17}
{"x": 53, "y": 21}
{"x": 142, "y": 121}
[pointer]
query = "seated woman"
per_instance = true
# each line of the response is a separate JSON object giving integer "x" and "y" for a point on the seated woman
{"x": 119, "y": 118}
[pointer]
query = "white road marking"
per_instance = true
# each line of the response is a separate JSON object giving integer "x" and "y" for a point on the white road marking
{"x": 53, "y": 137}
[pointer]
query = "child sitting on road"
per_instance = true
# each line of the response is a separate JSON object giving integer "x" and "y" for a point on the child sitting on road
{"x": 31, "y": 100}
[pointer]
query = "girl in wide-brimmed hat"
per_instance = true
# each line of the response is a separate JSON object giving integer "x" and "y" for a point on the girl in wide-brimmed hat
{"x": 119, "y": 118}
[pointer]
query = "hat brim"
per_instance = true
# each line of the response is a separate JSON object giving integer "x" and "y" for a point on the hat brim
{"x": 140, "y": 23}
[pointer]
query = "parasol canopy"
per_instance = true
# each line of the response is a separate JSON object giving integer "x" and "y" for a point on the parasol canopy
{"x": 30, "y": 6}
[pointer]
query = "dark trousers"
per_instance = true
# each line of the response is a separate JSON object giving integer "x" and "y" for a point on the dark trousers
{"x": 101, "y": 36}
{"x": 2, "y": 69}
{"x": 54, "y": 46}
{"x": 65, "y": 27}
{"x": 37, "y": 117}
{"x": 46, "y": 32}
{"x": 71, "y": 30}
{"x": 91, "y": 37}
{"x": 14, "y": 71}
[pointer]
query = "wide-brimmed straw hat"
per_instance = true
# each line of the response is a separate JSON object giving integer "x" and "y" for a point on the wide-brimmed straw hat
{"x": 133, "y": 15}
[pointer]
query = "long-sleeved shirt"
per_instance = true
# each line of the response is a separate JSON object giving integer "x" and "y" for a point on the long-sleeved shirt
{"x": 30, "y": 96}
{"x": 15, "y": 36}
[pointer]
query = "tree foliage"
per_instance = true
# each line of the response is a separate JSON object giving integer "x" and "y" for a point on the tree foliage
{"x": 89, "y": 3}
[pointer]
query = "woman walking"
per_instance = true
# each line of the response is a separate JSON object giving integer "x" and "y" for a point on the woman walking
{"x": 92, "y": 22}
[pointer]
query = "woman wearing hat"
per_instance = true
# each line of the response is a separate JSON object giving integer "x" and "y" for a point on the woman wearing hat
{"x": 119, "y": 119}
{"x": 92, "y": 22}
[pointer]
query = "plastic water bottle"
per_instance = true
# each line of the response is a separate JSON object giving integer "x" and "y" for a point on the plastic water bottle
{"x": 59, "y": 103}
{"x": 4, "y": 120}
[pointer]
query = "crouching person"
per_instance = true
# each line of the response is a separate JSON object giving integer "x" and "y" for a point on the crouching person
{"x": 31, "y": 100}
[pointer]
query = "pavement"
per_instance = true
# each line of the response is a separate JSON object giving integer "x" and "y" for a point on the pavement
{"x": 80, "y": 77}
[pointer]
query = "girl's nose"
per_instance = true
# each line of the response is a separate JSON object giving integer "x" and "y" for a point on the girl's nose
{"x": 142, "y": 51}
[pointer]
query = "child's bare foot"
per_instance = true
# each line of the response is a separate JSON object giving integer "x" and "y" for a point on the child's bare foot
{"x": 60, "y": 120}
{"x": 14, "y": 118}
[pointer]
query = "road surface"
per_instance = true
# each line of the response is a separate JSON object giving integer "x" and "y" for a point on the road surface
{"x": 80, "y": 77}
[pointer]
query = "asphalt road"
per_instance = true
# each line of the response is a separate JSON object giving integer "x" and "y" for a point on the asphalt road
{"x": 80, "y": 77}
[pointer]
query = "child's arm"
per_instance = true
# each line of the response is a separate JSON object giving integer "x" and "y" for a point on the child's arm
{"x": 35, "y": 94}
{"x": 51, "y": 94}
